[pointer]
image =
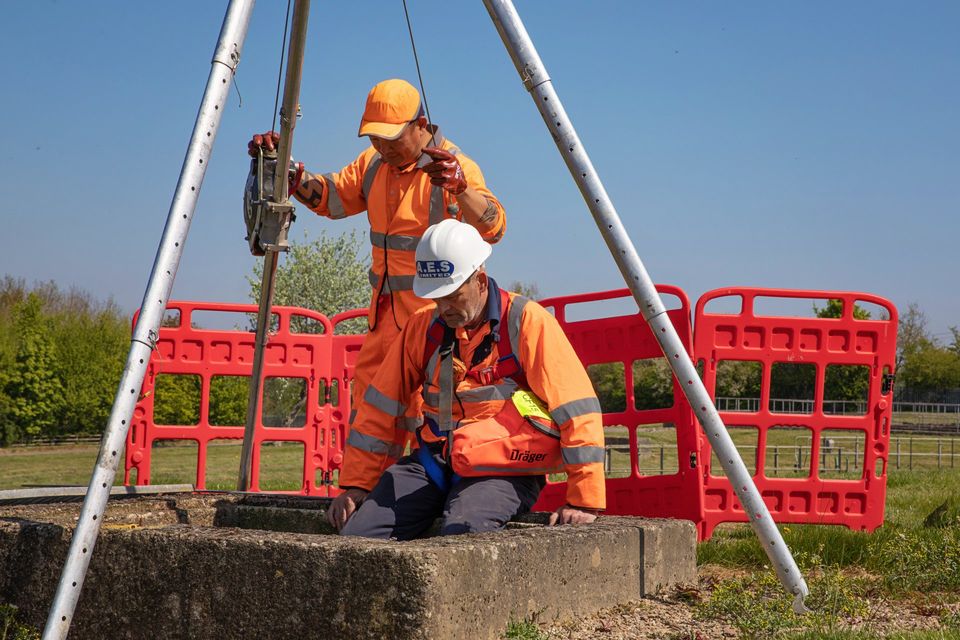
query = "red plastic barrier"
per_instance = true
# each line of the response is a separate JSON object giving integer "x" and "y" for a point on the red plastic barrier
{"x": 626, "y": 340}
{"x": 811, "y": 487}
{"x": 811, "y": 490}
{"x": 343, "y": 360}
{"x": 209, "y": 354}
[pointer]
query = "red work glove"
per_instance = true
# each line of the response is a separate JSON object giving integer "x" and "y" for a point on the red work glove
{"x": 445, "y": 170}
{"x": 294, "y": 176}
{"x": 269, "y": 141}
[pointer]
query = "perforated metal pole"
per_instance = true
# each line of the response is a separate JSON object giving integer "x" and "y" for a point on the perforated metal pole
{"x": 288, "y": 120}
{"x": 537, "y": 82}
{"x": 225, "y": 59}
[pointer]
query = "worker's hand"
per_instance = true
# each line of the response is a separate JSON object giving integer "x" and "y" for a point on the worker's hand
{"x": 344, "y": 505}
{"x": 445, "y": 170}
{"x": 269, "y": 141}
{"x": 294, "y": 177}
{"x": 572, "y": 515}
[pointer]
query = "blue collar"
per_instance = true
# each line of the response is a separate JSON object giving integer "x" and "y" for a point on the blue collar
{"x": 493, "y": 304}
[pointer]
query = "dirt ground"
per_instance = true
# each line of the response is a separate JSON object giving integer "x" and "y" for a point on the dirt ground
{"x": 671, "y": 616}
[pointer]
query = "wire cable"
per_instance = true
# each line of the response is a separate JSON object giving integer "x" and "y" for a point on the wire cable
{"x": 283, "y": 53}
{"x": 416, "y": 60}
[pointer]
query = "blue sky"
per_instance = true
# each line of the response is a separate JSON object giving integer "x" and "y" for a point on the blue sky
{"x": 810, "y": 145}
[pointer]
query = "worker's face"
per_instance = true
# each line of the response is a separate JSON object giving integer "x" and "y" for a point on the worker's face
{"x": 406, "y": 148}
{"x": 464, "y": 307}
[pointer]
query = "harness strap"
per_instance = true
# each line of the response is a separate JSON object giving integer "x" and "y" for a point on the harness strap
{"x": 443, "y": 338}
{"x": 440, "y": 476}
{"x": 446, "y": 386}
{"x": 434, "y": 340}
{"x": 508, "y": 364}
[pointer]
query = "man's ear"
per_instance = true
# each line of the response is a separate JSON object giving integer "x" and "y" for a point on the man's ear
{"x": 482, "y": 280}
{"x": 422, "y": 122}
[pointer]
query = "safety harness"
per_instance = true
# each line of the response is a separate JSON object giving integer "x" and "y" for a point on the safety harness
{"x": 441, "y": 339}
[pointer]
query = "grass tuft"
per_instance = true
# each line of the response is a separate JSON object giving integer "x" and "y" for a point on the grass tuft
{"x": 10, "y": 629}
{"x": 756, "y": 605}
{"x": 524, "y": 630}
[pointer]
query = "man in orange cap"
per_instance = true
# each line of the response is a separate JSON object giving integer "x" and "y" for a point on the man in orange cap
{"x": 408, "y": 179}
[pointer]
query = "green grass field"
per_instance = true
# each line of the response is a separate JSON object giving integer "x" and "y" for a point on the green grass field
{"x": 281, "y": 467}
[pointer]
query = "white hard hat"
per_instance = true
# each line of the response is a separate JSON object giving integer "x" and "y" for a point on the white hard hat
{"x": 448, "y": 253}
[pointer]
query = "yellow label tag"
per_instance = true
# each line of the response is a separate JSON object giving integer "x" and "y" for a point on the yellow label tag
{"x": 529, "y": 404}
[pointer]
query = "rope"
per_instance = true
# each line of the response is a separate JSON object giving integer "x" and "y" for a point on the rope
{"x": 416, "y": 61}
{"x": 283, "y": 53}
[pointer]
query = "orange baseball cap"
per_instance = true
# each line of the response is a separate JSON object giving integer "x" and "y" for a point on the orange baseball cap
{"x": 391, "y": 104}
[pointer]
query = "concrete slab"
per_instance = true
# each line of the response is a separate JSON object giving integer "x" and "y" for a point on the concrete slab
{"x": 226, "y": 565}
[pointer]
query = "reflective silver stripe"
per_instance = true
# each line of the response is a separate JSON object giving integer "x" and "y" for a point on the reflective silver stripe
{"x": 431, "y": 367}
{"x": 389, "y": 406}
{"x": 574, "y": 409}
{"x": 501, "y": 391}
{"x": 394, "y": 242}
{"x": 553, "y": 433}
{"x": 581, "y": 455}
{"x": 517, "y": 469}
{"x": 429, "y": 371}
{"x": 436, "y": 419}
{"x": 431, "y": 398}
{"x": 513, "y": 324}
{"x": 486, "y": 393}
{"x": 334, "y": 203}
{"x": 437, "y": 208}
{"x": 353, "y": 414}
{"x": 410, "y": 423}
{"x": 399, "y": 283}
{"x": 370, "y": 174}
{"x": 373, "y": 445}
{"x": 393, "y": 283}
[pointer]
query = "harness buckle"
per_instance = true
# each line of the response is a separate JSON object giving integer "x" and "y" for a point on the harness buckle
{"x": 486, "y": 376}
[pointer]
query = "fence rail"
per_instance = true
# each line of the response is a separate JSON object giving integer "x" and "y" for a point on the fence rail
{"x": 908, "y": 412}
{"x": 840, "y": 457}
{"x": 55, "y": 440}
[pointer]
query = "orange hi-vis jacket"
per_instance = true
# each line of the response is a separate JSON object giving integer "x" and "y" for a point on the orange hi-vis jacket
{"x": 400, "y": 205}
{"x": 551, "y": 369}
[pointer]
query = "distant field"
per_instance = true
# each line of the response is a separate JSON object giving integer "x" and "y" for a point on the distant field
{"x": 281, "y": 467}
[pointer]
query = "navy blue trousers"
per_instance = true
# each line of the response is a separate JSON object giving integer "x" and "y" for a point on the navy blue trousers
{"x": 405, "y": 503}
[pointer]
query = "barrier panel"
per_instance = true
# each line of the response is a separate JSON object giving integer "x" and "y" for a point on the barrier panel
{"x": 343, "y": 360}
{"x": 818, "y": 458}
{"x": 295, "y": 408}
{"x": 800, "y": 448}
{"x": 622, "y": 356}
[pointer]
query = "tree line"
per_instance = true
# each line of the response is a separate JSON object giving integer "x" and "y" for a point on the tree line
{"x": 61, "y": 356}
{"x": 62, "y": 353}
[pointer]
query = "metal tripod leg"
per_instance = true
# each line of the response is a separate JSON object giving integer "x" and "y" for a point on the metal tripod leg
{"x": 256, "y": 378}
{"x": 537, "y": 81}
{"x": 280, "y": 208}
{"x": 225, "y": 60}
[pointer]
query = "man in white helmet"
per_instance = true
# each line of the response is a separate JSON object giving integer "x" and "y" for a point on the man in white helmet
{"x": 498, "y": 378}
